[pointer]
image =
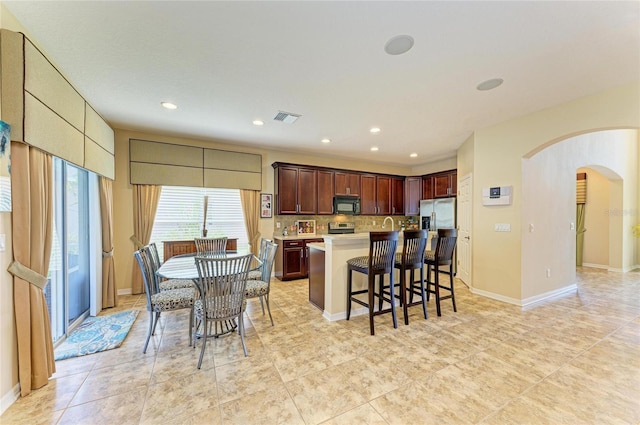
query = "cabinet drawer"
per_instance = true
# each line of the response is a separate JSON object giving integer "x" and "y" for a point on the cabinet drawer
{"x": 293, "y": 243}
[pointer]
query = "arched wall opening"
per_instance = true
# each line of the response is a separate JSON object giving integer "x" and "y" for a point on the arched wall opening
{"x": 549, "y": 207}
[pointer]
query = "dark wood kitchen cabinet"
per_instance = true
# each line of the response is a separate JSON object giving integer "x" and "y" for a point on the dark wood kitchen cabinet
{"x": 292, "y": 258}
{"x": 445, "y": 184}
{"x": 397, "y": 196}
{"x": 412, "y": 195}
{"x": 427, "y": 187}
{"x": 375, "y": 198}
{"x": 316, "y": 277}
{"x": 296, "y": 189}
{"x": 347, "y": 183}
{"x": 326, "y": 189}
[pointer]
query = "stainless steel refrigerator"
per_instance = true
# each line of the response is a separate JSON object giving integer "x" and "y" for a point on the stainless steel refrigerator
{"x": 438, "y": 214}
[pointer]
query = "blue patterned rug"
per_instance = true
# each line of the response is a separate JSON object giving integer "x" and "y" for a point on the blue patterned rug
{"x": 97, "y": 334}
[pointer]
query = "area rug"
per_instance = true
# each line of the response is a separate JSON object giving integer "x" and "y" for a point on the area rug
{"x": 97, "y": 334}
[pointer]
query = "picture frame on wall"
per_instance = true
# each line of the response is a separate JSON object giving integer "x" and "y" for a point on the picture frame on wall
{"x": 266, "y": 205}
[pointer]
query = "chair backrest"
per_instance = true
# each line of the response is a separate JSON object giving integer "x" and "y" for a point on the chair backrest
{"x": 263, "y": 247}
{"x": 148, "y": 273}
{"x": 222, "y": 283}
{"x": 153, "y": 250}
{"x": 212, "y": 245}
{"x": 415, "y": 242}
{"x": 382, "y": 251}
{"x": 445, "y": 245}
{"x": 267, "y": 261}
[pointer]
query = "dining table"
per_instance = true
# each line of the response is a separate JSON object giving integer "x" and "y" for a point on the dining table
{"x": 184, "y": 267}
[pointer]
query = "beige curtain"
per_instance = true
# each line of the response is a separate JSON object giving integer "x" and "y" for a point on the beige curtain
{"x": 145, "y": 204}
{"x": 250, "y": 200}
{"x": 32, "y": 190}
{"x": 109, "y": 288}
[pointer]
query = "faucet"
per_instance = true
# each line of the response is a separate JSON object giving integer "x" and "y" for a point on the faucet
{"x": 385, "y": 221}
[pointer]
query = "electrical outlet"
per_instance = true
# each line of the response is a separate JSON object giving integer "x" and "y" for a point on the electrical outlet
{"x": 572, "y": 226}
{"x": 277, "y": 224}
{"x": 374, "y": 222}
{"x": 548, "y": 272}
{"x": 531, "y": 228}
{"x": 3, "y": 241}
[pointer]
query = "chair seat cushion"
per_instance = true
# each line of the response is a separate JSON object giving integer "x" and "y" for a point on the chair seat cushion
{"x": 169, "y": 284}
{"x": 256, "y": 288}
{"x": 217, "y": 314}
{"x": 359, "y": 262}
{"x": 254, "y": 275}
{"x": 172, "y": 299}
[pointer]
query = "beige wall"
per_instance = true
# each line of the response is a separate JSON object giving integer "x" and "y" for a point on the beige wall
{"x": 123, "y": 192}
{"x": 596, "y": 238}
{"x": 499, "y": 152}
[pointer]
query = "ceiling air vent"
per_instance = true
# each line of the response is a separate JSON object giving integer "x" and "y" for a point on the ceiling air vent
{"x": 286, "y": 117}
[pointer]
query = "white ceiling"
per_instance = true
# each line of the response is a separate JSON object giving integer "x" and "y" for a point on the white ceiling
{"x": 226, "y": 64}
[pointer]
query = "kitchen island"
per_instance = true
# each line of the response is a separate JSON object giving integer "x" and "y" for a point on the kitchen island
{"x": 337, "y": 250}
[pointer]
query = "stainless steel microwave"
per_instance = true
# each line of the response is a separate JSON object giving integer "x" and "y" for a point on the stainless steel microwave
{"x": 349, "y": 205}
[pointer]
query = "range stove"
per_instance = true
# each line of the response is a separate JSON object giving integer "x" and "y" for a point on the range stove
{"x": 341, "y": 227}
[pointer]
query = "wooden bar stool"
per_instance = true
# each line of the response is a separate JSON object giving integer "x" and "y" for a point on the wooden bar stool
{"x": 381, "y": 259}
{"x": 412, "y": 259}
{"x": 442, "y": 256}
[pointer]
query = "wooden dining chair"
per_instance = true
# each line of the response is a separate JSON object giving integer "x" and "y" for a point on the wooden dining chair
{"x": 412, "y": 259}
{"x": 211, "y": 245}
{"x": 442, "y": 256}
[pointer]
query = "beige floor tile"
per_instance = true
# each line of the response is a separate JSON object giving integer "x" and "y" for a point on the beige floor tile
{"x": 267, "y": 407}
{"x": 361, "y": 415}
{"x": 246, "y": 377}
{"x": 123, "y": 408}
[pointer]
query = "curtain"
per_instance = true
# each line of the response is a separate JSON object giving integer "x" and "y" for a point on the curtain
{"x": 145, "y": 204}
{"x": 32, "y": 188}
{"x": 109, "y": 289}
{"x": 579, "y": 233}
{"x": 250, "y": 200}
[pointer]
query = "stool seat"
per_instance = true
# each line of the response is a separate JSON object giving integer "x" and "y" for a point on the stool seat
{"x": 380, "y": 261}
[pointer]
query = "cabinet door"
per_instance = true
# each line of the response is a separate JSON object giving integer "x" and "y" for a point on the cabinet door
{"x": 412, "y": 193}
{"x": 368, "y": 195}
{"x": 454, "y": 183}
{"x": 383, "y": 195}
{"x": 427, "y": 187}
{"x": 293, "y": 262}
{"x": 307, "y": 190}
{"x": 287, "y": 190}
{"x": 347, "y": 183}
{"x": 397, "y": 196}
{"x": 441, "y": 185}
{"x": 325, "y": 192}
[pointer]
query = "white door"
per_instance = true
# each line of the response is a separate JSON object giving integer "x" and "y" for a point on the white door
{"x": 464, "y": 229}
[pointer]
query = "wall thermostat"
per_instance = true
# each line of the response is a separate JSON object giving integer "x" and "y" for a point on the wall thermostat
{"x": 498, "y": 195}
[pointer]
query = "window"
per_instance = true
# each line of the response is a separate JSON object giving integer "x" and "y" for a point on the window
{"x": 180, "y": 215}
{"x": 68, "y": 289}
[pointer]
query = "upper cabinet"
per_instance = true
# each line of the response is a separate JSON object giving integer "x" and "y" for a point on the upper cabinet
{"x": 397, "y": 196}
{"x": 440, "y": 185}
{"x": 412, "y": 195}
{"x": 382, "y": 195}
{"x": 296, "y": 189}
{"x": 347, "y": 183}
{"x": 326, "y": 189}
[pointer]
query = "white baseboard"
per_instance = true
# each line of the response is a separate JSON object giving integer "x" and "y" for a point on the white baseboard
{"x": 611, "y": 269}
{"x": 126, "y": 291}
{"x": 527, "y": 301}
{"x": 596, "y": 266}
{"x": 9, "y": 398}
{"x": 343, "y": 315}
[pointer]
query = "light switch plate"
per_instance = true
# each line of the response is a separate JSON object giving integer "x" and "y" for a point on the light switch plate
{"x": 2, "y": 242}
{"x": 502, "y": 227}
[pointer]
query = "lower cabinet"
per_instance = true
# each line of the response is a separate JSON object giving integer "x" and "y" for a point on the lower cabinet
{"x": 316, "y": 278}
{"x": 292, "y": 258}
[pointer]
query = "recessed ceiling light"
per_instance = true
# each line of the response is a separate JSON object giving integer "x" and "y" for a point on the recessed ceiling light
{"x": 375, "y": 130}
{"x": 326, "y": 140}
{"x": 490, "y": 84}
{"x": 414, "y": 155}
{"x": 399, "y": 44}
{"x": 258, "y": 122}
{"x": 374, "y": 149}
{"x": 169, "y": 105}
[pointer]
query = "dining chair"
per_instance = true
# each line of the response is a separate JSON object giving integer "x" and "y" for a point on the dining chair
{"x": 261, "y": 288}
{"x": 256, "y": 274}
{"x": 380, "y": 261}
{"x": 441, "y": 256}
{"x": 160, "y": 301}
{"x": 412, "y": 259}
{"x": 211, "y": 245}
{"x": 166, "y": 284}
{"x": 221, "y": 284}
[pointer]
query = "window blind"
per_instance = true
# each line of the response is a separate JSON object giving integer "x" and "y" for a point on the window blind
{"x": 180, "y": 215}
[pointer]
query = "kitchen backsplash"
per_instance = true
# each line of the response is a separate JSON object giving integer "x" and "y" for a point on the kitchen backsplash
{"x": 364, "y": 223}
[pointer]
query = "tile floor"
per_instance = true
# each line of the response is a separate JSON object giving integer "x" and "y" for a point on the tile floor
{"x": 573, "y": 360}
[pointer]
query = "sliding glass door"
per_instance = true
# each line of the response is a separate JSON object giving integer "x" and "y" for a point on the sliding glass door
{"x": 68, "y": 291}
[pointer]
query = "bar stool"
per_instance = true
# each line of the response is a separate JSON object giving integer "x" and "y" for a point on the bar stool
{"x": 412, "y": 259}
{"x": 442, "y": 256}
{"x": 382, "y": 252}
